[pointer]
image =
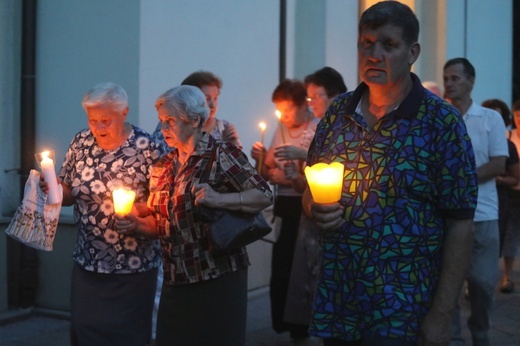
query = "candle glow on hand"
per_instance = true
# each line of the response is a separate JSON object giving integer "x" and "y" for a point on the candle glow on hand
{"x": 325, "y": 181}
{"x": 123, "y": 201}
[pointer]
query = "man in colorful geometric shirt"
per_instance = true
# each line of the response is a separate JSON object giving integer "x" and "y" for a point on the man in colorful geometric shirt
{"x": 395, "y": 249}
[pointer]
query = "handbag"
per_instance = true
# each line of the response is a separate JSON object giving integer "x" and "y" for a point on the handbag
{"x": 229, "y": 229}
{"x": 35, "y": 222}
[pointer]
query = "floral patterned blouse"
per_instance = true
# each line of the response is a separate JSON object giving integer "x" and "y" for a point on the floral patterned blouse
{"x": 92, "y": 174}
{"x": 187, "y": 254}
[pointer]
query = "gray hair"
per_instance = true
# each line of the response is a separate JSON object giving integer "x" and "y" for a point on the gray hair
{"x": 185, "y": 101}
{"x": 106, "y": 93}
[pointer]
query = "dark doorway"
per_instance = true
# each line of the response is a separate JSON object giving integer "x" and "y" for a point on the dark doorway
{"x": 516, "y": 51}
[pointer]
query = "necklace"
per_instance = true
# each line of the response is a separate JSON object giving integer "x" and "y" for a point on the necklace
{"x": 300, "y": 129}
{"x": 298, "y": 134}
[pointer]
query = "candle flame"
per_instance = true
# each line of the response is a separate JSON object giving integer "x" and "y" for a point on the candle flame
{"x": 278, "y": 114}
{"x": 45, "y": 154}
{"x": 262, "y": 126}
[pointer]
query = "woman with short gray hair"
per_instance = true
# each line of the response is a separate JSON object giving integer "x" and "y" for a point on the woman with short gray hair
{"x": 186, "y": 102}
{"x": 204, "y": 293}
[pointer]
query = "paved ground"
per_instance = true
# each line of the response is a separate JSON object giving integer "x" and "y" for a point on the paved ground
{"x": 42, "y": 329}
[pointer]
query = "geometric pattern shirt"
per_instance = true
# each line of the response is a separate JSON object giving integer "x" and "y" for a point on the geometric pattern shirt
{"x": 403, "y": 177}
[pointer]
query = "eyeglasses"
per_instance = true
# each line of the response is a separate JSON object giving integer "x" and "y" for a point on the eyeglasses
{"x": 314, "y": 97}
{"x": 97, "y": 123}
{"x": 169, "y": 122}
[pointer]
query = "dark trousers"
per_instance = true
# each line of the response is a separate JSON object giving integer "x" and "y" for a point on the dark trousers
{"x": 289, "y": 209}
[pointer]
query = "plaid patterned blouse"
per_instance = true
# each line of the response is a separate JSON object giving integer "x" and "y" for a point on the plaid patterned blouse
{"x": 187, "y": 256}
{"x": 403, "y": 176}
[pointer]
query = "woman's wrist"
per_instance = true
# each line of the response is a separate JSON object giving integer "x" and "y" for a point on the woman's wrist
{"x": 241, "y": 205}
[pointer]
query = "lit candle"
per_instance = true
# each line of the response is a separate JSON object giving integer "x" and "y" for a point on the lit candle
{"x": 261, "y": 159}
{"x": 262, "y": 128}
{"x": 49, "y": 175}
{"x": 279, "y": 116}
{"x": 123, "y": 201}
{"x": 325, "y": 181}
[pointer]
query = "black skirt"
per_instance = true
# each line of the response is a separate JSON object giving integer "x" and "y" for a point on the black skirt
{"x": 212, "y": 312}
{"x": 112, "y": 309}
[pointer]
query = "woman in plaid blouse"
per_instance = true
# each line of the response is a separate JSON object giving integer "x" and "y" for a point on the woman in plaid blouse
{"x": 204, "y": 295}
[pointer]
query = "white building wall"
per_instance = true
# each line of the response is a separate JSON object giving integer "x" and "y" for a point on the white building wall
{"x": 322, "y": 33}
{"x": 10, "y": 31}
{"x": 481, "y": 31}
{"x": 341, "y": 35}
{"x": 490, "y": 48}
{"x": 79, "y": 44}
{"x": 10, "y": 82}
{"x": 237, "y": 40}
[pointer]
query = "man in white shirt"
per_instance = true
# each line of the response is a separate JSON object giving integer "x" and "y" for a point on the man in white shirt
{"x": 487, "y": 132}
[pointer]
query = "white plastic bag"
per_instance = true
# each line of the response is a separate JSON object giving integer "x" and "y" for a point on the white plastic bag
{"x": 35, "y": 222}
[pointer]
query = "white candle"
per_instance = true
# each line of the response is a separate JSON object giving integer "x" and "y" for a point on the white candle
{"x": 49, "y": 175}
{"x": 279, "y": 116}
{"x": 261, "y": 159}
{"x": 262, "y": 128}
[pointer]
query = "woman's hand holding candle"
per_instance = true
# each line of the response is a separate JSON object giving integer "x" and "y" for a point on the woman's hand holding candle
{"x": 127, "y": 224}
{"x": 257, "y": 150}
{"x": 125, "y": 220}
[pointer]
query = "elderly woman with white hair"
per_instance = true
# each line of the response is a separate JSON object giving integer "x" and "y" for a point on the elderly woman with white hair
{"x": 204, "y": 294}
{"x": 115, "y": 272}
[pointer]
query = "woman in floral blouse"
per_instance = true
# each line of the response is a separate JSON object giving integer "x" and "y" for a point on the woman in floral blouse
{"x": 204, "y": 295}
{"x": 115, "y": 272}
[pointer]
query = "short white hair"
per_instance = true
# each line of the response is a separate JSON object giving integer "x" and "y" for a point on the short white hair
{"x": 104, "y": 94}
{"x": 185, "y": 101}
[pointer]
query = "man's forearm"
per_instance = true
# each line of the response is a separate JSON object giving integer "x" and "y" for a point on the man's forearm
{"x": 495, "y": 167}
{"x": 458, "y": 244}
